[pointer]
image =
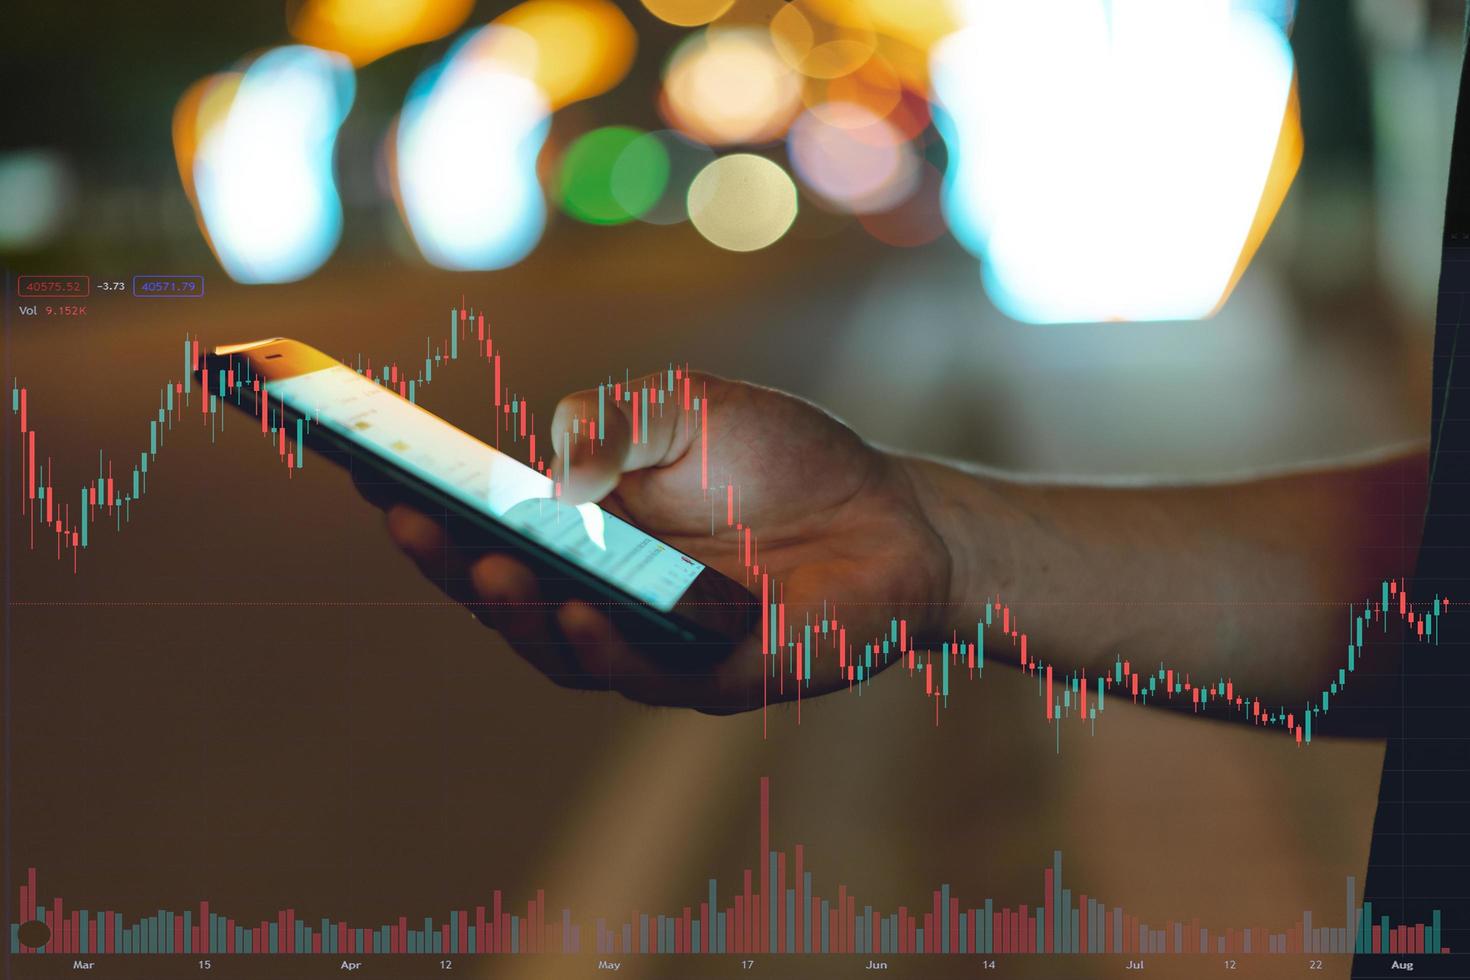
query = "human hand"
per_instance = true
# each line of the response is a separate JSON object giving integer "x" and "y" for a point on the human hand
{"x": 836, "y": 519}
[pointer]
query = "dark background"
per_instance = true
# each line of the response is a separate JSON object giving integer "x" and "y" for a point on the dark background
{"x": 248, "y": 695}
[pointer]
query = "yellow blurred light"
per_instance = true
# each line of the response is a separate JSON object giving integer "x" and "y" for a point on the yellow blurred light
{"x": 742, "y": 202}
{"x": 909, "y": 62}
{"x": 823, "y": 38}
{"x": 366, "y": 30}
{"x": 918, "y": 23}
{"x": 506, "y": 49}
{"x": 875, "y": 86}
{"x": 583, "y": 47}
{"x": 730, "y": 88}
{"x": 901, "y": 33}
{"x": 745, "y": 14}
{"x": 186, "y": 131}
{"x": 687, "y": 13}
{"x": 202, "y": 107}
{"x": 1284, "y": 164}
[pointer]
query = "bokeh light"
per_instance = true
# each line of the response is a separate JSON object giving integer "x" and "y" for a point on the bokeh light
{"x": 687, "y": 13}
{"x": 1283, "y": 170}
{"x": 917, "y": 24}
{"x": 465, "y": 151}
{"x": 876, "y": 86}
{"x": 917, "y": 220}
{"x": 823, "y": 38}
{"x": 36, "y": 192}
{"x": 366, "y": 30}
{"x": 260, "y": 161}
{"x": 746, "y": 15}
{"x": 612, "y": 175}
{"x": 852, "y": 159}
{"x": 686, "y": 158}
{"x": 1110, "y": 164}
{"x": 730, "y": 87}
{"x": 742, "y": 202}
{"x": 582, "y": 48}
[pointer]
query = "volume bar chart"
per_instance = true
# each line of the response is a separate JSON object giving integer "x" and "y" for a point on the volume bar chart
{"x": 779, "y": 906}
{"x": 489, "y": 929}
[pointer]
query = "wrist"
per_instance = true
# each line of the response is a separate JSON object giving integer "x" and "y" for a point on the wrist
{"x": 967, "y": 513}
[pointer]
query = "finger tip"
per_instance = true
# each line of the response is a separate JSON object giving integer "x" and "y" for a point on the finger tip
{"x": 498, "y": 578}
{"x": 411, "y": 529}
{"x": 588, "y": 481}
{"x": 580, "y": 622}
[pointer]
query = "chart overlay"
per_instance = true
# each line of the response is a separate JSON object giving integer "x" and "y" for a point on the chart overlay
{"x": 64, "y": 520}
{"x": 778, "y": 906}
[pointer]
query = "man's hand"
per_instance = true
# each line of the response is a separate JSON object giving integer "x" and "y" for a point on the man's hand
{"x": 1246, "y": 581}
{"x": 834, "y": 518}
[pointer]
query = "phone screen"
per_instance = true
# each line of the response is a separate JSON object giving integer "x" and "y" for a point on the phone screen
{"x": 474, "y": 473}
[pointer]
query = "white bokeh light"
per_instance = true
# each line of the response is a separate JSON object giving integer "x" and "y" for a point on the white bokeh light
{"x": 466, "y": 148}
{"x": 263, "y": 173}
{"x": 1107, "y": 159}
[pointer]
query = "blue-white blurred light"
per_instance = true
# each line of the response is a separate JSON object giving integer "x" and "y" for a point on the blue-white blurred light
{"x": 466, "y": 151}
{"x": 36, "y": 191}
{"x": 1107, "y": 157}
{"x": 263, "y": 173}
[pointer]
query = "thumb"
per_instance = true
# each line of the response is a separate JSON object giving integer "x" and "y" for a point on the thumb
{"x": 591, "y": 446}
{"x": 599, "y": 434}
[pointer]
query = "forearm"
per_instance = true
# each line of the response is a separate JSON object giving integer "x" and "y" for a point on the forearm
{"x": 1247, "y": 581}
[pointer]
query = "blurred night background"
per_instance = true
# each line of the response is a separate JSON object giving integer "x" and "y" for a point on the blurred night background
{"x": 1130, "y": 239}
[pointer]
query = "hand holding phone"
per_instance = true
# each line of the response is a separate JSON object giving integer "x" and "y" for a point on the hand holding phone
{"x": 836, "y": 520}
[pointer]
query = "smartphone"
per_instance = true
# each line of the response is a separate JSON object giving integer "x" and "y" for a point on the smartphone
{"x": 659, "y": 598}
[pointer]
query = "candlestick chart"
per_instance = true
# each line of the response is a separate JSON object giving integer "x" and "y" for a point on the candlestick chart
{"x": 793, "y": 900}
{"x": 65, "y": 521}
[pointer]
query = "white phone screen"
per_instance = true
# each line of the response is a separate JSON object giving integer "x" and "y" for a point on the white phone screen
{"x": 477, "y": 474}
